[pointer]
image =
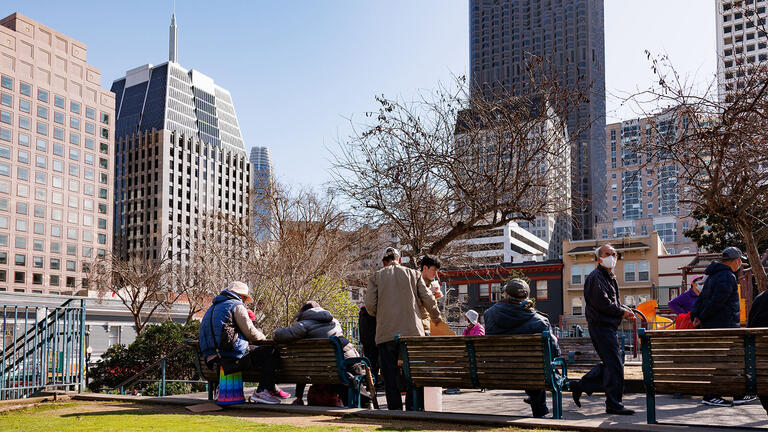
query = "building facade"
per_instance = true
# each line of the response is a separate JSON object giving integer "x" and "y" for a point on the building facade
{"x": 507, "y": 244}
{"x": 263, "y": 176}
{"x": 570, "y": 33}
{"x": 741, "y": 40}
{"x": 644, "y": 197}
{"x": 478, "y": 288}
{"x": 180, "y": 160}
{"x": 637, "y": 270}
{"x": 56, "y": 160}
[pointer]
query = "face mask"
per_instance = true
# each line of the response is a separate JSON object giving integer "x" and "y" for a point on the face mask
{"x": 608, "y": 262}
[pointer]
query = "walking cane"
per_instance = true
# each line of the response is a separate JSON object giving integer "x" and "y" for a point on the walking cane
{"x": 371, "y": 387}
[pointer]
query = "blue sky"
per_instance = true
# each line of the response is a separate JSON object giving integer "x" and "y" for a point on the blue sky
{"x": 297, "y": 70}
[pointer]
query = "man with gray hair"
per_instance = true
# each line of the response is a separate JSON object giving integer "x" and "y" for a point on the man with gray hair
{"x": 604, "y": 313}
{"x": 395, "y": 295}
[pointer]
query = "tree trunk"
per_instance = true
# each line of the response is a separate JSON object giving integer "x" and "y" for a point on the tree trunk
{"x": 758, "y": 272}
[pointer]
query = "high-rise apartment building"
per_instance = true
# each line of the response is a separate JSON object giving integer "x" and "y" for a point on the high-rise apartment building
{"x": 263, "y": 172}
{"x": 741, "y": 40}
{"x": 503, "y": 33}
{"x": 56, "y": 152}
{"x": 642, "y": 197}
{"x": 180, "y": 159}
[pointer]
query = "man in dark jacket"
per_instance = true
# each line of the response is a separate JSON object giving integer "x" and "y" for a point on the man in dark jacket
{"x": 758, "y": 317}
{"x": 604, "y": 314}
{"x": 718, "y": 305}
{"x": 515, "y": 315}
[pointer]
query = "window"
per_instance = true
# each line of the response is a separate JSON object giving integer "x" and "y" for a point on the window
{"x": 643, "y": 271}
{"x": 58, "y": 117}
{"x": 629, "y": 271}
{"x": 74, "y": 123}
{"x": 105, "y": 118}
{"x": 20, "y": 260}
{"x": 42, "y": 95}
{"x": 55, "y": 264}
{"x": 59, "y": 102}
{"x": 667, "y": 231}
{"x": 7, "y": 82}
{"x": 21, "y": 242}
{"x": 113, "y": 335}
{"x": 577, "y": 306}
{"x": 54, "y": 280}
{"x": 105, "y": 133}
{"x": 90, "y": 113}
{"x": 37, "y": 262}
{"x": 38, "y": 245}
{"x": 42, "y": 112}
{"x": 74, "y": 107}
{"x": 484, "y": 290}
{"x": 542, "y": 290}
{"x": 25, "y": 89}
{"x": 25, "y": 123}
{"x": 19, "y": 277}
{"x": 580, "y": 272}
{"x": 6, "y": 100}
{"x": 463, "y": 293}
{"x": 37, "y": 278}
{"x": 3, "y": 257}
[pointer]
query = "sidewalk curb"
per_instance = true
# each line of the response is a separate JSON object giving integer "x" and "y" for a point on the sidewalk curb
{"x": 440, "y": 417}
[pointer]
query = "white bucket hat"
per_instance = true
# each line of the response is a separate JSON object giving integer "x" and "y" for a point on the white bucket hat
{"x": 472, "y": 316}
{"x": 240, "y": 289}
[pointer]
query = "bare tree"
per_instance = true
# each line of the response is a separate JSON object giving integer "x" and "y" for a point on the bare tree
{"x": 306, "y": 249}
{"x": 142, "y": 284}
{"x": 446, "y": 166}
{"x": 719, "y": 146}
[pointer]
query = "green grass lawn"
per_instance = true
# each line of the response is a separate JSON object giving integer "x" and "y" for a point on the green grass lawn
{"x": 117, "y": 416}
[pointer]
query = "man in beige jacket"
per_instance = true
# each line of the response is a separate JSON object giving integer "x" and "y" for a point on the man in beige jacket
{"x": 394, "y": 296}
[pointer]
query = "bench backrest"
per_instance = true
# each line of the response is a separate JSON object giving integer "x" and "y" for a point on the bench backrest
{"x": 495, "y": 362}
{"x": 311, "y": 361}
{"x": 699, "y": 362}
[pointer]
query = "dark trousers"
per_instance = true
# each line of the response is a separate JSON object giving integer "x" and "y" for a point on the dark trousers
{"x": 265, "y": 358}
{"x": 538, "y": 402}
{"x": 388, "y": 355}
{"x": 608, "y": 375}
{"x": 764, "y": 401}
{"x": 371, "y": 351}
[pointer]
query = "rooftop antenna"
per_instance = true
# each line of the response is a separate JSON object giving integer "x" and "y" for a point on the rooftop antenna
{"x": 172, "y": 51}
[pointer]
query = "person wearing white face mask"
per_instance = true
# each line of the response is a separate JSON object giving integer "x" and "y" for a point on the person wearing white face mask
{"x": 604, "y": 313}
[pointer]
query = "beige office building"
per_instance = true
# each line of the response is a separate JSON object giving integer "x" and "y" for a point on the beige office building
{"x": 56, "y": 151}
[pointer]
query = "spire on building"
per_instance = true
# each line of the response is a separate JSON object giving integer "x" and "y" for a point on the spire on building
{"x": 172, "y": 44}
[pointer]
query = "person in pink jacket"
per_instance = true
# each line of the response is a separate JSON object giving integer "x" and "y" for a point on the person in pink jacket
{"x": 474, "y": 328}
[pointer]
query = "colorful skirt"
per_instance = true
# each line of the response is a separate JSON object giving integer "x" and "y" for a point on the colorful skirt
{"x": 230, "y": 388}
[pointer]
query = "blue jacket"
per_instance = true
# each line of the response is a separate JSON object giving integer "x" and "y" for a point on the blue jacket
{"x": 220, "y": 312}
{"x": 506, "y": 318}
{"x": 718, "y": 303}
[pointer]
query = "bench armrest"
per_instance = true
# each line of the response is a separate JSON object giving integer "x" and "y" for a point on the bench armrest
{"x": 559, "y": 361}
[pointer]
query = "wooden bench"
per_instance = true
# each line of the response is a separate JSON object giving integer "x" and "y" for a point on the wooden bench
{"x": 698, "y": 362}
{"x": 307, "y": 361}
{"x": 516, "y": 362}
{"x": 578, "y": 351}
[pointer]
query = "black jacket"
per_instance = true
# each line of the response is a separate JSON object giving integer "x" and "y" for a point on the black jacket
{"x": 758, "y": 313}
{"x": 367, "y": 326}
{"x": 718, "y": 302}
{"x": 505, "y": 318}
{"x": 601, "y": 293}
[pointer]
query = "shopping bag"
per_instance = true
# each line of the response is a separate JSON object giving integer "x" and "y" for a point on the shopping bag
{"x": 440, "y": 329}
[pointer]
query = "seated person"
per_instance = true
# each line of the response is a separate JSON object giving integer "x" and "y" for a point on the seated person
{"x": 312, "y": 321}
{"x": 515, "y": 314}
{"x": 758, "y": 317}
{"x": 226, "y": 335}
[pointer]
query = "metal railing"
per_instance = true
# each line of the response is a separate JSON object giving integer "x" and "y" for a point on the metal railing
{"x": 43, "y": 347}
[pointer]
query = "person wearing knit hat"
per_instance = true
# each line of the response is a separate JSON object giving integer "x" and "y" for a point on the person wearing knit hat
{"x": 515, "y": 314}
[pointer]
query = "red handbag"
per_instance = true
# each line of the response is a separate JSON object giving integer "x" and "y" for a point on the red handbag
{"x": 684, "y": 322}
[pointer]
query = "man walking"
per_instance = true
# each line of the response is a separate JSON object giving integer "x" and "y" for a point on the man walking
{"x": 604, "y": 314}
{"x": 718, "y": 306}
{"x": 393, "y": 297}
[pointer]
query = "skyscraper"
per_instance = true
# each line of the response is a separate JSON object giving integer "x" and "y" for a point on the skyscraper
{"x": 741, "y": 40}
{"x": 180, "y": 158}
{"x": 261, "y": 161}
{"x": 56, "y": 151}
{"x": 570, "y": 34}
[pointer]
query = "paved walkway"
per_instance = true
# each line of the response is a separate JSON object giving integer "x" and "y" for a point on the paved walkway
{"x": 686, "y": 411}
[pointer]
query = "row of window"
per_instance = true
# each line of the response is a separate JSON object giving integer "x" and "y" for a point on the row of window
{"x": 493, "y": 291}
{"x": 20, "y": 277}
{"x": 20, "y": 260}
{"x": 633, "y": 271}
{"x": 55, "y": 246}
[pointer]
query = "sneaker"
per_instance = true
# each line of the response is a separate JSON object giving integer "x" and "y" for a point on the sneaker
{"x": 452, "y": 391}
{"x": 279, "y": 393}
{"x": 716, "y": 401}
{"x": 744, "y": 400}
{"x": 263, "y": 397}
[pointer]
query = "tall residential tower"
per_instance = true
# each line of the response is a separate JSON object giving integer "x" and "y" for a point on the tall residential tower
{"x": 56, "y": 152}
{"x": 180, "y": 158}
{"x": 263, "y": 175}
{"x": 570, "y": 34}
